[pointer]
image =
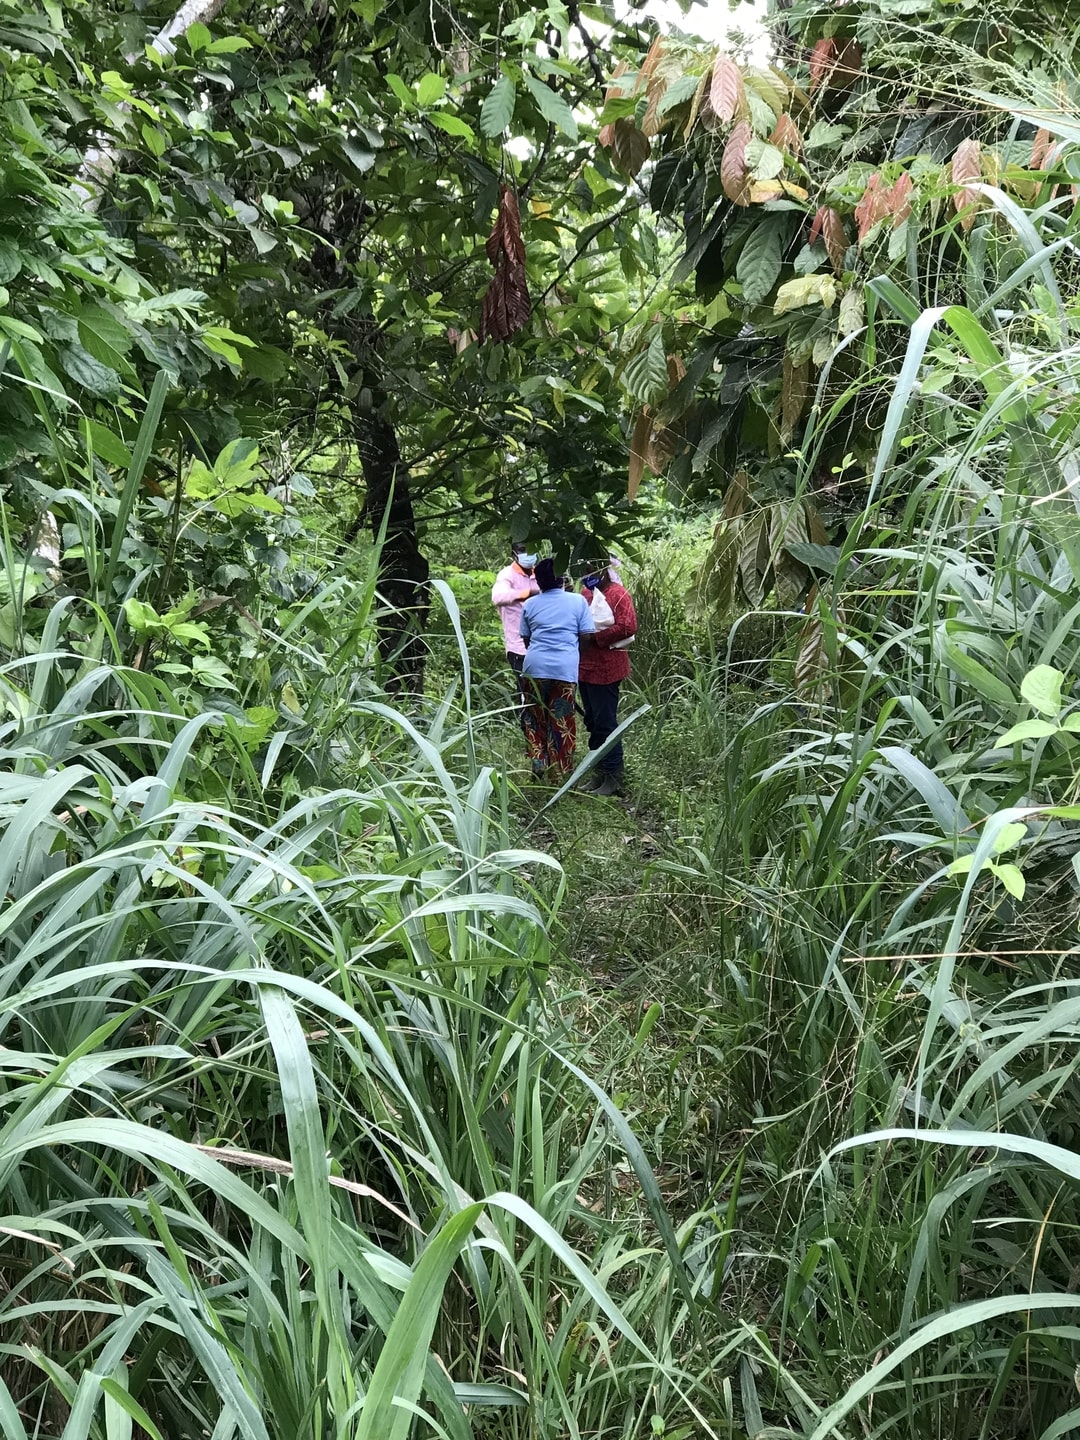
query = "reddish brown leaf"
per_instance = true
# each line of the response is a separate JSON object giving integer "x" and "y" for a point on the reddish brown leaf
{"x": 793, "y": 396}
{"x": 734, "y": 171}
{"x": 676, "y": 370}
{"x": 629, "y": 147}
{"x": 606, "y": 135}
{"x": 649, "y": 64}
{"x": 848, "y": 65}
{"x": 701, "y": 94}
{"x": 737, "y": 495}
{"x": 652, "y": 120}
{"x": 819, "y": 221}
{"x": 966, "y": 165}
{"x": 822, "y": 60}
{"x": 639, "y": 444}
{"x": 506, "y": 307}
{"x": 664, "y": 443}
{"x": 873, "y": 206}
{"x": 727, "y": 94}
{"x": 1039, "y": 146}
{"x": 835, "y": 237}
{"x": 900, "y": 199}
{"x": 786, "y": 136}
{"x": 614, "y": 91}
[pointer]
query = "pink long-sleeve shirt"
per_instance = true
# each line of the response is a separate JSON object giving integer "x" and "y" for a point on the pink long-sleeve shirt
{"x": 511, "y": 589}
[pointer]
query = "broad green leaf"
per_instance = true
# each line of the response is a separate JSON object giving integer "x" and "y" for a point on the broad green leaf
{"x": 1026, "y": 730}
{"x": 1008, "y": 837}
{"x": 430, "y": 90}
{"x": 765, "y": 161}
{"x": 498, "y": 108}
{"x": 1041, "y": 688}
{"x": 451, "y": 124}
{"x": 142, "y": 618}
{"x": 228, "y": 45}
{"x": 823, "y": 133}
{"x": 106, "y": 338}
{"x": 1011, "y": 877}
{"x": 645, "y": 377}
{"x": 759, "y": 263}
{"x": 154, "y": 140}
{"x": 806, "y": 290}
{"x": 10, "y": 262}
{"x": 552, "y": 106}
{"x": 197, "y": 36}
{"x": 104, "y": 443}
{"x": 402, "y": 91}
{"x": 88, "y": 372}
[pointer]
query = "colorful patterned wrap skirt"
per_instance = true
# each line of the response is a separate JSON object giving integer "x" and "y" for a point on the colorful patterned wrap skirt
{"x": 549, "y": 723}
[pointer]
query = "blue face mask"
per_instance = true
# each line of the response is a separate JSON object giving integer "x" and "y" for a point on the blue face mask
{"x": 592, "y": 581}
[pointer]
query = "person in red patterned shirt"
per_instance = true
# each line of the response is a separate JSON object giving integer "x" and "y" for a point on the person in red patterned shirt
{"x": 605, "y": 664}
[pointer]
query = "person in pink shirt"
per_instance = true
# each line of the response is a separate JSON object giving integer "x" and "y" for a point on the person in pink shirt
{"x": 514, "y": 584}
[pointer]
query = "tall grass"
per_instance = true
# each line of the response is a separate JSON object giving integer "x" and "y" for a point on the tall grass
{"x": 885, "y": 897}
{"x": 295, "y": 1137}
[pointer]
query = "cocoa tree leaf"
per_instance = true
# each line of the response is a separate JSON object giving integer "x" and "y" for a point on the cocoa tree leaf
{"x": 639, "y": 441}
{"x": 873, "y": 206}
{"x": 734, "y": 172}
{"x": 759, "y": 264}
{"x": 629, "y": 148}
{"x": 790, "y": 575}
{"x": 787, "y": 136}
{"x": 714, "y": 586}
{"x": 793, "y": 395}
{"x": 737, "y": 495}
{"x": 695, "y": 106}
{"x": 848, "y": 65}
{"x": 752, "y": 531}
{"x": 836, "y": 241}
{"x": 726, "y": 93}
{"x": 645, "y": 377}
{"x": 770, "y": 87}
{"x": 805, "y": 290}
{"x": 822, "y": 61}
{"x": 664, "y": 442}
{"x": 765, "y": 160}
{"x": 810, "y": 657}
{"x": 966, "y": 165}
{"x": 498, "y": 108}
{"x": 852, "y": 310}
{"x": 552, "y": 106}
{"x": 900, "y": 199}
{"x": 815, "y": 526}
{"x": 649, "y": 65}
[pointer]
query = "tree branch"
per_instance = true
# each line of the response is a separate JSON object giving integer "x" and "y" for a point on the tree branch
{"x": 99, "y": 162}
{"x": 590, "y": 44}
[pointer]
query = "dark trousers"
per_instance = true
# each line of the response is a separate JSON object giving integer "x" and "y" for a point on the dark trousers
{"x": 516, "y": 662}
{"x": 601, "y": 706}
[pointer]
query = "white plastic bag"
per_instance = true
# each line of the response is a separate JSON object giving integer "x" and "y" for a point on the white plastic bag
{"x": 601, "y": 611}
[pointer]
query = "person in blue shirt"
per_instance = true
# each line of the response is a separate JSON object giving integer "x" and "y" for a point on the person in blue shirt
{"x": 555, "y": 626}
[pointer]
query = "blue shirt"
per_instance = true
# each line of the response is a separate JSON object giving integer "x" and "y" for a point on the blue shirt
{"x": 551, "y": 623}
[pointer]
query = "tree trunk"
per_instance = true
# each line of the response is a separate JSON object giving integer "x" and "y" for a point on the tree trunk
{"x": 403, "y": 570}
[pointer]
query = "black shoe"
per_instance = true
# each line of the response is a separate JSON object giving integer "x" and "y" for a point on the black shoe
{"x": 611, "y": 784}
{"x": 590, "y": 781}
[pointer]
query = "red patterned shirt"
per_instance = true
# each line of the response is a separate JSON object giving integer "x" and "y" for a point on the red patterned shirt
{"x": 600, "y": 664}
